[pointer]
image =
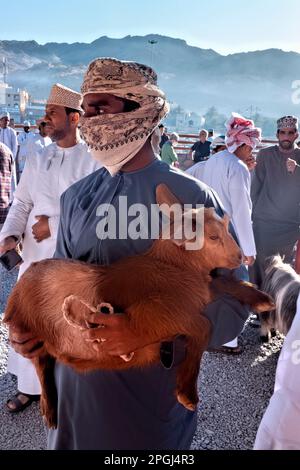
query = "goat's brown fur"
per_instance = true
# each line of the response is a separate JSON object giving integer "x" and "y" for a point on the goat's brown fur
{"x": 163, "y": 292}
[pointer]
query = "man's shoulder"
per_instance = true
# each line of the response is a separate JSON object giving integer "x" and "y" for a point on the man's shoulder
{"x": 198, "y": 143}
{"x": 268, "y": 151}
{"x": 167, "y": 144}
{"x": 83, "y": 147}
{"x": 83, "y": 186}
{"x": 188, "y": 189}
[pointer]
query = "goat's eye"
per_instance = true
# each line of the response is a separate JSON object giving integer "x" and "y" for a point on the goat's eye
{"x": 214, "y": 237}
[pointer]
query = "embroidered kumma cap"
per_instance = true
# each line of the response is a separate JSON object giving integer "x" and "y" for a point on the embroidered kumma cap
{"x": 287, "y": 122}
{"x": 63, "y": 96}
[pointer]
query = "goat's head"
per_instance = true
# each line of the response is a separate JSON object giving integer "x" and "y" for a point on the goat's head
{"x": 201, "y": 233}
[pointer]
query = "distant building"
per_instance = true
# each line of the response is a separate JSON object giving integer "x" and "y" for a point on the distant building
{"x": 35, "y": 110}
{"x": 19, "y": 104}
{"x": 13, "y": 99}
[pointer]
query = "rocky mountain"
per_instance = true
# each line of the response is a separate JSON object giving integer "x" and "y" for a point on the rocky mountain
{"x": 192, "y": 77}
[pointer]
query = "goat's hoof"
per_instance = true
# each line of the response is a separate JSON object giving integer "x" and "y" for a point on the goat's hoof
{"x": 49, "y": 415}
{"x": 185, "y": 401}
{"x": 51, "y": 420}
{"x": 265, "y": 338}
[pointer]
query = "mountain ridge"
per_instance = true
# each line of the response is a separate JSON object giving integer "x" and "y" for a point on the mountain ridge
{"x": 193, "y": 77}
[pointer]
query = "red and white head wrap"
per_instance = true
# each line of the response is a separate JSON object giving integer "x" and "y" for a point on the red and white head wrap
{"x": 241, "y": 131}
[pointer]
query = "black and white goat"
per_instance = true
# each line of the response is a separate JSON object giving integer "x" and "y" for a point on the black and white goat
{"x": 282, "y": 283}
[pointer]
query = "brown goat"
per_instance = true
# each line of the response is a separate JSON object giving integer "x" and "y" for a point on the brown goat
{"x": 163, "y": 292}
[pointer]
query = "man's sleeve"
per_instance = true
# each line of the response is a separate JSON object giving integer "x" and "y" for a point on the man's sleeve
{"x": 62, "y": 245}
{"x": 53, "y": 222}
{"x": 14, "y": 143}
{"x": 227, "y": 317}
{"x": 172, "y": 154}
{"x": 226, "y": 314}
{"x": 258, "y": 178}
{"x": 239, "y": 190}
{"x": 21, "y": 207}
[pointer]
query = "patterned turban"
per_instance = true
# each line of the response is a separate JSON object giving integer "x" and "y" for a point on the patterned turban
{"x": 241, "y": 131}
{"x": 287, "y": 122}
{"x": 115, "y": 139}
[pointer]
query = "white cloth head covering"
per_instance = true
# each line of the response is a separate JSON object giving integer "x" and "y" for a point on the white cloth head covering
{"x": 287, "y": 122}
{"x": 63, "y": 96}
{"x": 26, "y": 124}
{"x": 5, "y": 114}
{"x": 114, "y": 139}
{"x": 241, "y": 131}
{"x": 220, "y": 140}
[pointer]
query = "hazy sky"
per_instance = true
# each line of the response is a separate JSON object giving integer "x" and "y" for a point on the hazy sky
{"x": 224, "y": 25}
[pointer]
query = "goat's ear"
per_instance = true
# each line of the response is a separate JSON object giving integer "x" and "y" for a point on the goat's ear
{"x": 165, "y": 196}
{"x": 226, "y": 219}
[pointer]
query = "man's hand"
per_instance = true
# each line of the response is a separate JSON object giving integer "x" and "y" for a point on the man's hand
{"x": 41, "y": 230}
{"x": 24, "y": 343}
{"x": 291, "y": 165}
{"x": 119, "y": 338}
{"x": 249, "y": 260}
{"x": 251, "y": 163}
{"x": 9, "y": 243}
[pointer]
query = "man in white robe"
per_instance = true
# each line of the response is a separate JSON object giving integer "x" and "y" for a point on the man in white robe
{"x": 36, "y": 208}
{"x": 8, "y": 137}
{"x": 228, "y": 174}
{"x": 24, "y": 139}
{"x": 197, "y": 170}
{"x": 40, "y": 139}
{"x": 280, "y": 426}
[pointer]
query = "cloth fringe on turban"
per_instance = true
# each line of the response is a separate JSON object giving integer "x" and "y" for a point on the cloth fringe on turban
{"x": 114, "y": 139}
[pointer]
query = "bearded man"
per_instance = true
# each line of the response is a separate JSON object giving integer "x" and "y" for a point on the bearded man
{"x": 34, "y": 214}
{"x": 276, "y": 198}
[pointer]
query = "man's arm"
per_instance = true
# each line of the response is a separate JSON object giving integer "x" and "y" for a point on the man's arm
{"x": 227, "y": 317}
{"x": 239, "y": 191}
{"x": 14, "y": 143}
{"x": 62, "y": 244}
{"x": 190, "y": 154}
{"x": 18, "y": 214}
{"x": 22, "y": 341}
{"x": 172, "y": 154}
{"x": 258, "y": 178}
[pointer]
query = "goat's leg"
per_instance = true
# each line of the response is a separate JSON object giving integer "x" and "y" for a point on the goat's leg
{"x": 44, "y": 365}
{"x": 187, "y": 375}
{"x": 188, "y": 370}
{"x": 244, "y": 292}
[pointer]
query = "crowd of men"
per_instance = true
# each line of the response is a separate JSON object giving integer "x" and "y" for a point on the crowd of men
{"x": 62, "y": 182}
